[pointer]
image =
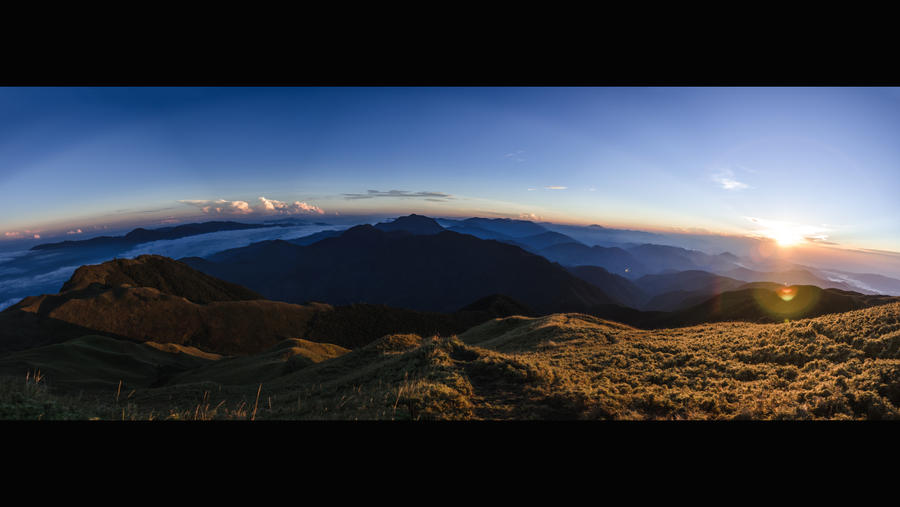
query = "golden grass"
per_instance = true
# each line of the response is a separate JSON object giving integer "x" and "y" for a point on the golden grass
{"x": 564, "y": 366}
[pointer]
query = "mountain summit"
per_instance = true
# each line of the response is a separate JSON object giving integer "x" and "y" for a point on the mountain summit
{"x": 414, "y": 224}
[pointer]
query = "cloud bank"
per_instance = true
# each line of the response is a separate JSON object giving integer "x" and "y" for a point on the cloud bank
{"x": 265, "y": 207}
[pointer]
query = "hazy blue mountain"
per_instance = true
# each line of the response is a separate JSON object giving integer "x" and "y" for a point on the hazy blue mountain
{"x": 690, "y": 280}
{"x": 598, "y": 235}
{"x": 543, "y": 240}
{"x": 673, "y": 291}
{"x": 659, "y": 258}
{"x": 615, "y": 286}
{"x": 613, "y": 259}
{"x": 791, "y": 277}
{"x": 506, "y": 226}
{"x": 479, "y": 232}
{"x": 313, "y": 238}
{"x": 878, "y": 284}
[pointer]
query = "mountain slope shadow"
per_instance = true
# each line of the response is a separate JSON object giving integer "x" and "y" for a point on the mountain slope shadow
{"x": 436, "y": 272}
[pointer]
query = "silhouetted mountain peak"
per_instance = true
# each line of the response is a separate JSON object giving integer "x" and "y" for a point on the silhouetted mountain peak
{"x": 415, "y": 224}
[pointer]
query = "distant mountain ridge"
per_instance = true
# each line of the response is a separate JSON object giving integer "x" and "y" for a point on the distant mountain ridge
{"x": 141, "y": 235}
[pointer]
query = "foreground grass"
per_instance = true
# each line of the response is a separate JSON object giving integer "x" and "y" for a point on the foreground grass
{"x": 565, "y": 366}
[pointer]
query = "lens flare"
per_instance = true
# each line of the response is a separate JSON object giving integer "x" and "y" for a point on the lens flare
{"x": 787, "y": 302}
{"x": 787, "y": 293}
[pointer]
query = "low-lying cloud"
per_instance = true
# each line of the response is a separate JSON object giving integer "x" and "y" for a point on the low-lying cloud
{"x": 202, "y": 245}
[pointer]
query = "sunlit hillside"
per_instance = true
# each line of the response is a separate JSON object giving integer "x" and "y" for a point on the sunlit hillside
{"x": 561, "y": 366}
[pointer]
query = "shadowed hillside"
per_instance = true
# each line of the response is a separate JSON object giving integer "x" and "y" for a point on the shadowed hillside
{"x": 437, "y": 272}
{"x": 162, "y": 274}
{"x": 769, "y": 302}
{"x": 562, "y": 366}
{"x": 156, "y": 299}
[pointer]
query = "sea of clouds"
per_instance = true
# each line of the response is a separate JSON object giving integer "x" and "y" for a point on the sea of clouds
{"x": 14, "y": 288}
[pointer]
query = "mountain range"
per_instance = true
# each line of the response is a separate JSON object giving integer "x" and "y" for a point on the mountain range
{"x": 153, "y": 298}
{"x": 141, "y": 235}
{"x": 435, "y": 272}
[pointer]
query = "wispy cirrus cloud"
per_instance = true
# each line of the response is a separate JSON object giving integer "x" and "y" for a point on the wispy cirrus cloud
{"x": 515, "y": 156}
{"x": 556, "y": 187}
{"x": 402, "y": 194}
{"x": 727, "y": 180}
{"x": 265, "y": 207}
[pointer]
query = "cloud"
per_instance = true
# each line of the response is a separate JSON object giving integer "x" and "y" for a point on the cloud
{"x": 515, "y": 155}
{"x": 530, "y": 216}
{"x": 556, "y": 187}
{"x": 19, "y": 235}
{"x": 265, "y": 207}
{"x": 76, "y": 231}
{"x": 405, "y": 194}
{"x": 206, "y": 244}
{"x": 725, "y": 178}
{"x": 282, "y": 208}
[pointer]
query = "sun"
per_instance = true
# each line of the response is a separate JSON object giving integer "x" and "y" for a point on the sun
{"x": 786, "y": 234}
{"x": 786, "y": 238}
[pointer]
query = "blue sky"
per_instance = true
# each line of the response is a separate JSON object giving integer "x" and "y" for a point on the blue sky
{"x": 820, "y": 163}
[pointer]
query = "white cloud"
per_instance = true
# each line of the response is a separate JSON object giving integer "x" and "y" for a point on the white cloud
{"x": 76, "y": 231}
{"x": 725, "y": 178}
{"x": 202, "y": 245}
{"x": 298, "y": 208}
{"x": 265, "y": 207}
{"x": 556, "y": 187}
{"x": 530, "y": 216}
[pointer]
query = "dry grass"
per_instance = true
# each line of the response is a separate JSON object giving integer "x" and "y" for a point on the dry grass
{"x": 565, "y": 366}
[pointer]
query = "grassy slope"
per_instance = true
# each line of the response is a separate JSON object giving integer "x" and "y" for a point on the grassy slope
{"x": 569, "y": 366}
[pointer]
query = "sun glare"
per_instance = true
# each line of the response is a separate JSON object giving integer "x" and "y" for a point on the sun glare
{"x": 786, "y": 238}
{"x": 787, "y": 234}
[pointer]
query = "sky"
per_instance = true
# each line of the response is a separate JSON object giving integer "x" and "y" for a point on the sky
{"x": 798, "y": 165}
